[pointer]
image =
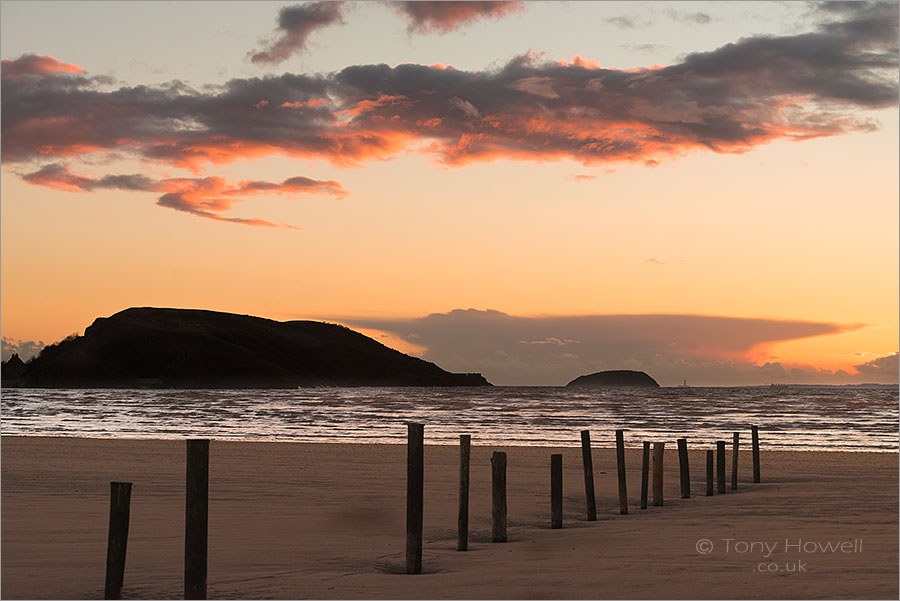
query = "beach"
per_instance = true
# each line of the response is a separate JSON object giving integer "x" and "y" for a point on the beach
{"x": 307, "y": 520}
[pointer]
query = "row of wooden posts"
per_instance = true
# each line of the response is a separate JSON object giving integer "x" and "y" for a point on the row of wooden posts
{"x": 197, "y": 499}
{"x": 416, "y": 472}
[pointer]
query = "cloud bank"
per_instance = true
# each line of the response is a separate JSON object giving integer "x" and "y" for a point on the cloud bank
{"x": 705, "y": 350}
{"x": 882, "y": 368}
{"x": 730, "y": 99}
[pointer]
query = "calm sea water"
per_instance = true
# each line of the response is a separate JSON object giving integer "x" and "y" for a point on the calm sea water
{"x": 796, "y": 417}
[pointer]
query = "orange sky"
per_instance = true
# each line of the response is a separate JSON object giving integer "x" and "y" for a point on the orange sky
{"x": 400, "y": 216}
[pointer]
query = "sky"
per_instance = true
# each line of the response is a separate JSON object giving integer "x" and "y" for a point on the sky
{"x": 706, "y": 191}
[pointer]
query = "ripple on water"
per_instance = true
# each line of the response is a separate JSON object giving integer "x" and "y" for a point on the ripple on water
{"x": 799, "y": 417}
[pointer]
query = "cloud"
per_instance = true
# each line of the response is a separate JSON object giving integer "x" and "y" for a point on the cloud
{"x": 634, "y": 22}
{"x": 36, "y": 64}
{"x": 728, "y": 100}
{"x": 551, "y": 340}
{"x": 888, "y": 366}
{"x": 698, "y": 18}
{"x": 295, "y": 24}
{"x": 447, "y": 16}
{"x": 583, "y": 177}
{"x": 26, "y": 349}
{"x": 654, "y": 261}
{"x": 643, "y": 47}
{"x": 623, "y": 22}
{"x": 552, "y": 350}
{"x": 206, "y": 197}
{"x": 536, "y": 86}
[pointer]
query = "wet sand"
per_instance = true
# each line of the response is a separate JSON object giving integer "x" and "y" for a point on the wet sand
{"x": 295, "y": 520}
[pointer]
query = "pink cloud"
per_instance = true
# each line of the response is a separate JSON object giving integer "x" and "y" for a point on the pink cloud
{"x": 36, "y": 64}
{"x": 446, "y": 16}
{"x": 206, "y": 197}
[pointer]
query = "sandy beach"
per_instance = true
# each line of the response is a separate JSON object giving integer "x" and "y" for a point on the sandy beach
{"x": 293, "y": 521}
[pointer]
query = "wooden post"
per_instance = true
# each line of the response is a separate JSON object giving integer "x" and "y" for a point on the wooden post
{"x": 588, "y": 461}
{"x": 196, "y": 518}
{"x": 734, "y": 459}
{"x": 755, "y": 430}
{"x": 645, "y": 473}
{"x": 709, "y": 473}
{"x": 415, "y": 477}
{"x": 498, "y": 496}
{"x": 556, "y": 491}
{"x": 684, "y": 468}
{"x": 462, "y": 539}
{"x": 620, "y": 464}
{"x": 658, "y": 450}
{"x": 720, "y": 467}
{"x": 119, "y": 511}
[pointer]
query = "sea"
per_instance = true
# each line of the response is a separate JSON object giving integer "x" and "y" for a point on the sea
{"x": 829, "y": 418}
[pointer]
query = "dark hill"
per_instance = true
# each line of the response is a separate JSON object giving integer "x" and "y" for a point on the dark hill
{"x": 181, "y": 348}
{"x": 615, "y": 378}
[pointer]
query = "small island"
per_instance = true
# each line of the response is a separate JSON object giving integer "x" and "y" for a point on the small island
{"x": 616, "y": 378}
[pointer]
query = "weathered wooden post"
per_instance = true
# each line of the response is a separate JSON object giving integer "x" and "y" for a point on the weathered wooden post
{"x": 556, "y": 491}
{"x": 645, "y": 473}
{"x": 620, "y": 464}
{"x": 755, "y": 431}
{"x": 734, "y": 460}
{"x": 498, "y": 496}
{"x": 720, "y": 467}
{"x": 684, "y": 469}
{"x": 119, "y": 511}
{"x": 709, "y": 473}
{"x": 462, "y": 539}
{"x": 415, "y": 482}
{"x": 658, "y": 450}
{"x": 196, "y": 520}
{"x": 590, "y": 499}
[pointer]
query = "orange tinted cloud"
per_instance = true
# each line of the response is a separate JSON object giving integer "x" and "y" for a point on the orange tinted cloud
{"x": 310, "y": 102}
{"x": 36, "y": 64}
{"x": 448, "y": 15}
{"x": 206, "y": 197}
{"x": 579, "y": 61}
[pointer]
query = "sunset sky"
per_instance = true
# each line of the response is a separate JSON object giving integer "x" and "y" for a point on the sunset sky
{"x": 701, "y": 190}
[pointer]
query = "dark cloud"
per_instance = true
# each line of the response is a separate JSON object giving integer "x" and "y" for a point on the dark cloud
{"x": 26, "y": 349}
{"x": 206, "y": 197}
{"x": 446, "y": 16}
{"x": 751, "y": 92}
{"x": 295, "y": 24}
{"x": 553, "y": 350}
{"x": 882, "y": 367}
